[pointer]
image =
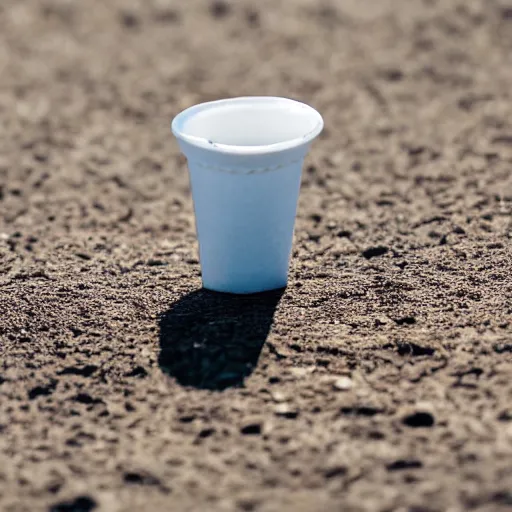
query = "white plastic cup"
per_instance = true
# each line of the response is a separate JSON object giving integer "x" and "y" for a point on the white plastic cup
{"x": 245, "y": 157}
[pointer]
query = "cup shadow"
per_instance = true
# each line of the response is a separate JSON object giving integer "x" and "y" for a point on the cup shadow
{"x": 211, "y": 340}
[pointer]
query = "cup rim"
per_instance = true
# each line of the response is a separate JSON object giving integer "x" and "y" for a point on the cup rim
{"x": 203, "y": 143}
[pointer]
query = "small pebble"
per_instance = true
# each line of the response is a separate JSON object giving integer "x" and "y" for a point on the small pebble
{"x": 278, "y": 396}
{"x": 302, "y": 372}
{"x": 420, "y": 416}
{"x": 343, "y": 384}
{"x": 286, "y": 410}
{"x": 129, "y": 20}
{"x": 252, "y": 426}
{"x": 155, "y": 263}
{"x": 83, "y": 255}
{"x": 220, "y": 9}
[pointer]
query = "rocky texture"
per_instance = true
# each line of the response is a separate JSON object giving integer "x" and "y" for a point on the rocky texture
{"x": 379, "y": 380}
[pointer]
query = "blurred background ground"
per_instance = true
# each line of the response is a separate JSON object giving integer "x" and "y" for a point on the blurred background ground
{"x": 380, "y": 380}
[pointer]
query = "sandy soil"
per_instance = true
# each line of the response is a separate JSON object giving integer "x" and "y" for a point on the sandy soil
{"x": 379, "y": 380}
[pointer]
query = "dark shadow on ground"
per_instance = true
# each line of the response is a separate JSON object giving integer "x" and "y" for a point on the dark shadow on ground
{"x": 212, "y": 340}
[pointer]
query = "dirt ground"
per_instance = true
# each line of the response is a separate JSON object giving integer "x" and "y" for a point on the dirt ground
{"x": 379, "y": 380}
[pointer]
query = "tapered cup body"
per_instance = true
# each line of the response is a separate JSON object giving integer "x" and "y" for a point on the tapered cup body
{"x": 245, "y": 158}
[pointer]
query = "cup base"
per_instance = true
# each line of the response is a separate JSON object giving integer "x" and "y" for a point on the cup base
{"x": 243, "y": 290}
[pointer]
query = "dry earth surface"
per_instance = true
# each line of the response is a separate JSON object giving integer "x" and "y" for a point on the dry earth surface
{"x": 379, "y": 380}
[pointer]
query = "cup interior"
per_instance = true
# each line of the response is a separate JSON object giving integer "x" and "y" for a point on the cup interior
{"x": 249, "y": 123}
